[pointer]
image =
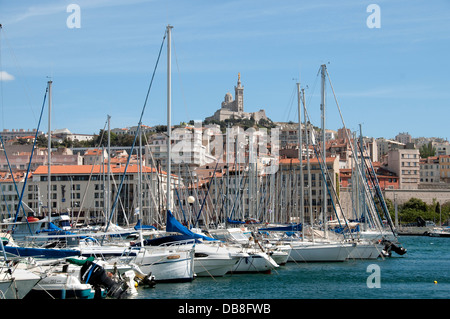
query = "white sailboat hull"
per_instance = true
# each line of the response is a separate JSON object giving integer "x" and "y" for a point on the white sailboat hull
{"x": 320, "y": 252}
{"x": 366, "y": 251}
{"x": 18, "y": 284}
{"x": 255, "y": 262}
{"x": 213, "y": 260}
{"x": 215, "y": 267}
{"x": 167, "y": 265}
{"x": 62, "y": 286}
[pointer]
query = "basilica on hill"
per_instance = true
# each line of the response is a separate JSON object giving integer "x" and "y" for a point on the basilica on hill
{"x": 234, "y": 109}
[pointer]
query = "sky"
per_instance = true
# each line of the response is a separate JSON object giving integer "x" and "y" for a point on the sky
{"x": 388, "y": 66}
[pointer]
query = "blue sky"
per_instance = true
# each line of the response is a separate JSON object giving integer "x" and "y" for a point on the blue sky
{"x": 390, "y": 79}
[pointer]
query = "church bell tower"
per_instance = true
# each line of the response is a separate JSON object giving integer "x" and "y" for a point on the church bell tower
{"x": 239, "y": 95}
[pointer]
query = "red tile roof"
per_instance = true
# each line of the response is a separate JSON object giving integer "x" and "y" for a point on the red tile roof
{"x": 87, "y": 169}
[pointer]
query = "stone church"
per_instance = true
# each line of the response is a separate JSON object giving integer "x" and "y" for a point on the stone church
{"x": 234, "y": 109}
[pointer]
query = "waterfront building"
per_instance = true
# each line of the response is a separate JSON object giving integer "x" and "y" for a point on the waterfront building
{"x": 429, "y": 170}
{"x": 444, "y": 168}
{"x": 188, "y": 152}
{"x": 9, "y": 195}
{"x": 18, "y": 157}
{"x": 254, "y": 194}
{"x": 405, "y": 163}
{"x": 60, "y": 135}
{"x": 83, "y": 192}
{"x": 13, "y": 134}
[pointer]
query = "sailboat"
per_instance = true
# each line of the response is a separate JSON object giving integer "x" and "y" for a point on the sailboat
{"x": 370, "y": 242}
{"x": 253, "y": 260}
{"x": 167, "y": 262}
{"x": 15, "y": 283}
{"x": 314, "y": 248}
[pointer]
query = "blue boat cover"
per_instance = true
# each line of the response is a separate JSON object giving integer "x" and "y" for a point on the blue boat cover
{"x": 231, "y": 221}
{"x": 291, "y": 228}
{"x": 41, "y": 252}
{"x": 173, "y": 225}
{"x": 140, "y": 226}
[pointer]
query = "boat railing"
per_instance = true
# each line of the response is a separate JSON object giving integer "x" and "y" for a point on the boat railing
{"x": 182, "y": 242}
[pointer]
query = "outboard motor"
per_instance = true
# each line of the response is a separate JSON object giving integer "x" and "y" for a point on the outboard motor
{"x": 390, "y": 246}
{"x": 96, "y": 275}
{"x": 398, "y": 250}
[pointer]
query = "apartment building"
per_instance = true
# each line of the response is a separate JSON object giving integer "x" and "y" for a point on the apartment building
{"x": 430, "y": 170}
{"x": 187, "y": 152}
{"x": 270, "y": 197}
{"x": 18, "y": 157}
{"x": 444, "y": 168}
{"x": 405, "y": 163}
{"x": 385, "y": 145}
{"x": 83, "y": 192}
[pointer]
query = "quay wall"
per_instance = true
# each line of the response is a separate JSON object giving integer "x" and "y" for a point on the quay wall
{"x": 400, "y": 196}
{"x": 427, "y": 195}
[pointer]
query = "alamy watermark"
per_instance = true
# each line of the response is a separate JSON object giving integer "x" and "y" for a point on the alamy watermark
{"x": 374, "y": 279}
{"x": 374, "y": 19}
{"x": 74, "y": 19}
{"x": 235, "y": 146}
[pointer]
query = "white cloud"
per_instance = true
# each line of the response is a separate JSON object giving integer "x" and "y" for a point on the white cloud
{"x": 5, "y": 76}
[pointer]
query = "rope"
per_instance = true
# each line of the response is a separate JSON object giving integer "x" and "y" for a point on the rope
{"x": 136, "y": 135}
{"x": 29, "y": 163}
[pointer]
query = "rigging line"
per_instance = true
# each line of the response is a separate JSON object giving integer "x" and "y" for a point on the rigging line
{"x": 7, "y": 160}
{"x": 366, "y": 190}
{"x": 179, "y": 78}
{"x": 291, "y": 103}
{"x": 135, "y": 136}
{"x": 327, "y": 173}
{"x": 90, "y": 176}
{"x": 29, "y": 164}
{"x": 209, "y": 185}
{"x": 313, "y": 89}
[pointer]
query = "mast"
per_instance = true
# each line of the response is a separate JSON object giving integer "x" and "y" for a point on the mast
{"x": 49, "y": 147}
{"x": 362, "y": 203}
{"x": 324, "y": 158}
{"x": 300, "y": 158}
{"x": 169, "y": 102}
{"x": 108, "y": 185}
{"x": 308, "y": 168}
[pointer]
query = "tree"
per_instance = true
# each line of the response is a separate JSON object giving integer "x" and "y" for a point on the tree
{"x": 41, "y": 141}
{"x": 427, "y": 150}
{"x": 411, "y": 210}
{"x": 416, "y": 204}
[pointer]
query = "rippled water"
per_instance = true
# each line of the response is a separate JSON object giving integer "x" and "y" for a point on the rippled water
{"x": 411, "y": 276}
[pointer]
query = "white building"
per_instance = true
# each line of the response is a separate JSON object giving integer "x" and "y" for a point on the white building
{"x": 405, "y": 163}
{"x": 429, "y": 170}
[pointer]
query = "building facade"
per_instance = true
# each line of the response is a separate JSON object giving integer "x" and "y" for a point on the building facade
{"x": 83, "y": 191}
{"x": 405, "y": 163}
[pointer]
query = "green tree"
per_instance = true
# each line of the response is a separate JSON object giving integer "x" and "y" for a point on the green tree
{"x": 415, "y": 204}
{"x": 427, "y": 150}
{"x": 41, "y": 141}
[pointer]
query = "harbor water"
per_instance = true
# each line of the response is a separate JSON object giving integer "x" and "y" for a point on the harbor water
{"x": 422, "y": 273}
